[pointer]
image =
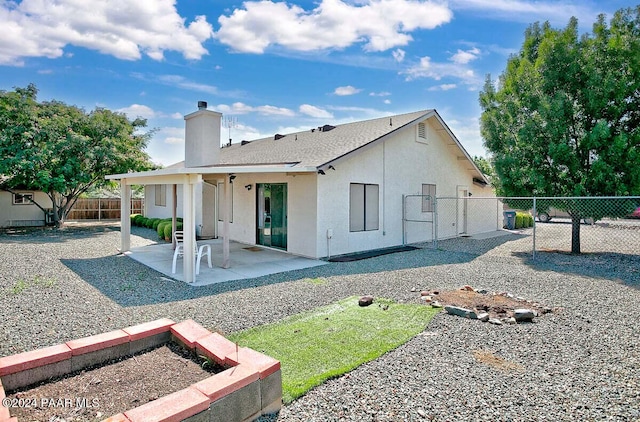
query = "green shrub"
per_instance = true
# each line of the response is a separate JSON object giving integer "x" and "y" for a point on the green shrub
{"x": 167, "y": 231}
{"x": 179, "y": 225}
{"x": 156, "y": 221}
{"x": 160, "y": 228}
{"x": 149, "y": 223}
{"x": 137, "y": 220}
{"x": 132, "y": 217}
{"x": 523, "y": 220}
{"x": 518, "y": 221}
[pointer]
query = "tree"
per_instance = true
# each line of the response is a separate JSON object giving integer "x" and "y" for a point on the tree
{"x": 62, "y": 150}
{"x": 486, "y": 167}
{"x": 564, "y": 117}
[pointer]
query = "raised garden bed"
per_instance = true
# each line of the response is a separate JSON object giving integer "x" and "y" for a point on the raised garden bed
{"x": 249, "y": 387}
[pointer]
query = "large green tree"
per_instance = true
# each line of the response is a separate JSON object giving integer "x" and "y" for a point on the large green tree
{"x": 62, "y": 150}
{"x": 564, "y": 117}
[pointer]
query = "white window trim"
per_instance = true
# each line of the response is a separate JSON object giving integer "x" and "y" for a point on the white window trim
{"x": 364, "y": 209}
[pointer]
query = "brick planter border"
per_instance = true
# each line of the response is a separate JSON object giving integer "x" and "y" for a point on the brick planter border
{"x": 251, "y": 387}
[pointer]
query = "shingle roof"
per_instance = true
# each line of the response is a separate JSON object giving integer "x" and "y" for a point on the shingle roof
{"x": 314, "y": 149}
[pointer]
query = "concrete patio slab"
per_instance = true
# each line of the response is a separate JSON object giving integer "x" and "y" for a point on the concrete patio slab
{"x": 247, "y": 261}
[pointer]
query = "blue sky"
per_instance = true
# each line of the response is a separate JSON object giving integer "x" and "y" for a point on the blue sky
{"x": 271, "y": 66}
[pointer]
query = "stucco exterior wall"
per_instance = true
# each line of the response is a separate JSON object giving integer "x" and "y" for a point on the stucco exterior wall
{"x": 22, "y": 214}
{"x": 399, "y": 165}
{"x": 301, "y": 210}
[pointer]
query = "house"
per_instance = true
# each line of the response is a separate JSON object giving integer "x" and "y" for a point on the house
{"x": 18, "y": 210}
{"x": 326, "y": 191}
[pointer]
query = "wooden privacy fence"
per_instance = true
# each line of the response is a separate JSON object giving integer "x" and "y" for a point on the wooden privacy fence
{"x": 102, "y": 208}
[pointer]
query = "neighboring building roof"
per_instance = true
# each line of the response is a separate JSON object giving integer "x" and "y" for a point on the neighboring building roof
{"x": 316, "y": 147}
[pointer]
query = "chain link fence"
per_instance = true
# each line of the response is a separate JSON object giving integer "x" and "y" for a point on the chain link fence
{"x": 507, "y": 226}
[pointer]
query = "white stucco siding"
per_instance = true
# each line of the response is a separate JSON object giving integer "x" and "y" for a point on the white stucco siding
{"x": 22, "y": 214}
{"x": 151, "y": 210}
{"x": 301, "y": 210}
{"x": 399, "y": 165}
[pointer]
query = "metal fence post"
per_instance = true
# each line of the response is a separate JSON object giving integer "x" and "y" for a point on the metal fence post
{"x": 404, "y": 216}
{"x": 99, "y": 209}
{"x": 435, "y": 222}
{"x": 534, "y": 227}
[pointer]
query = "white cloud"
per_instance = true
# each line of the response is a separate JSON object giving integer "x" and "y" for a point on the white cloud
{"x": 346, "y": 90}
{"x": 177, "y": 116}
{"x": 314, "y": 111}
{"x": 126, "y": 30}
{"x": 242, "y": 108}
{"x": 379, "y": 94}
{"x": 138, "y": 110}
{"x": 182, "y": 82}
{"x": 443, "y": 87}
{"x": 555, "y": 11}
{"x": 378, "y": 24}
{"x": 464, "y": 57}
{"x": 387, "y": 101}
{"x": 425, "y": 68}
{"x": 398, "y": 55}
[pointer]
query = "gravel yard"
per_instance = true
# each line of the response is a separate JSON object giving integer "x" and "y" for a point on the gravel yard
{"x": 580, "y": 363}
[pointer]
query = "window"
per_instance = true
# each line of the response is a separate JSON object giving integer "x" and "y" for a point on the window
{"x": 221, "y": 198}
{"x": 23, "y": 198}
{"x": 363, "y": 207}
{"x": 161, "y": 195}
{"x": 427, "y": 201}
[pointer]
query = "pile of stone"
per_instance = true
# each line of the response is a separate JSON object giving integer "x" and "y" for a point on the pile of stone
{"x": 517, "y": 315}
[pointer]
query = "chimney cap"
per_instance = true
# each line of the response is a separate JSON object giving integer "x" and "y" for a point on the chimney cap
{"x": 202, "y": 105}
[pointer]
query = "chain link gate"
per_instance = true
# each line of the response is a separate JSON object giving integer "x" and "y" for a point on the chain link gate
{"x": 418, "y": 211}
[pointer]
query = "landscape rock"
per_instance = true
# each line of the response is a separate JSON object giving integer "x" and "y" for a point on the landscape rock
{"x": 510, "y": 320}
{"x": 424, "y": 293}
{"x": 495, "y": 321}
{"x": 484, "y": 317}
{"x": 413, "y": 289}
{"x": 462, "y": 312}
{"x": 523, "y": 315}
{"x": 483, "y": 291}
{"x": 467, "y": 288}
{"x": 365, "y": 300}
{"x": 436, "y": 304}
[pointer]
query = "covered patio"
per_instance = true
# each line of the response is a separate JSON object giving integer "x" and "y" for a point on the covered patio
{"x": 188, "y": 178}
{"x": 246, "y": 261}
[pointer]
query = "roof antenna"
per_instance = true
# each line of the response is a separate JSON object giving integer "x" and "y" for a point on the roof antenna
{"x": 390, "y": 121}
{"x": 229, "y": 123}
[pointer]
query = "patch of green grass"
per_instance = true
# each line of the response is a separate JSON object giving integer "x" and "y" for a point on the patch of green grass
{"x": 317, "y": 281}
{"x": 19, "y": 287}
{"x": 44, "y": 282}
{"x": 327, "y": 342}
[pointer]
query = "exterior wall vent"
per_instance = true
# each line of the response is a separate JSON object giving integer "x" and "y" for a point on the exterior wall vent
{"x": 422, "y": 131}
{"x": 278, "y": 136}
{"x": 202, "y": 105}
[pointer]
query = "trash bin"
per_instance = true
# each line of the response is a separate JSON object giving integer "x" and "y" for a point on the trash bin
{"x": 509, "y": 220}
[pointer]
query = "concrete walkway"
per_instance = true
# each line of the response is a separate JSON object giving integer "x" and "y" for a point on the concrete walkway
{"x": 247, "y": 261}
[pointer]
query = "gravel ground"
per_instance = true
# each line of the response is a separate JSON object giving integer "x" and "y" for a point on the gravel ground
{"x": 579, "y": 363}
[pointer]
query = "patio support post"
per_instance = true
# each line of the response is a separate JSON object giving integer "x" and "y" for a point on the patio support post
{"x": 174, "y": 213}
{"x": 125, "y": 212}
{"x": 226, "y": 216}
{"x": 189, "y": 227}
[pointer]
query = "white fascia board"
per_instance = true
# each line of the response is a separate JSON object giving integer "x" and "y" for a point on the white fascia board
{"x": 181, "y": 175}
